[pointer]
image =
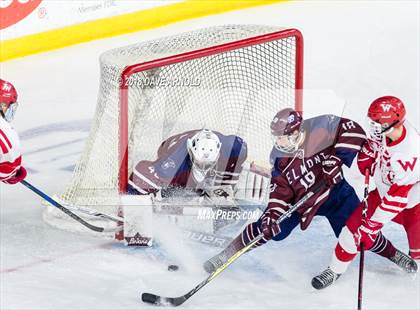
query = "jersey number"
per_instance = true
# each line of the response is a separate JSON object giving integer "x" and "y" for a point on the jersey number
{"x": 348, "y": 125}
{"x": 308, "y": 180}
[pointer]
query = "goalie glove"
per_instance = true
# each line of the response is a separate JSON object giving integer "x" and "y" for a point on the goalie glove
{"x": 253, "y": 184}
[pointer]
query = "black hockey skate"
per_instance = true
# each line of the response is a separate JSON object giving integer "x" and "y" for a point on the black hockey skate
{"x": 325, "y": 279}
{"x": 218, "y": 260}
{"x": 404, "y": 261}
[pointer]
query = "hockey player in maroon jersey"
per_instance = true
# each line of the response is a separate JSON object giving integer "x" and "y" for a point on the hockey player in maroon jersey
{"x": 11, "y": 169}
{"x": 199, "y": 161}
{"x": 391, "y": 155}
{"x": 305, "y": 154}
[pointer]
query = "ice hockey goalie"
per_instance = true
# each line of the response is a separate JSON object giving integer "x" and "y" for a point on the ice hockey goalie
{"x": 200, "y": 161}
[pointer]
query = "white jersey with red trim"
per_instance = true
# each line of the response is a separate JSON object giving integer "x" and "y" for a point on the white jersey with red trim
{"x": 397, "y": 175}
{"x": 10, "y": 151}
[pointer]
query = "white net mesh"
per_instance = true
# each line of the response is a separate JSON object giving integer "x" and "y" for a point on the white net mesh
{"x": 234, "y": 92}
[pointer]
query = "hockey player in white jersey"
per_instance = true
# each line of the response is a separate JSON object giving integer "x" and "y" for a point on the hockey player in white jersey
{"x": 11, "y": 169}
{"x": 392, "y": 157}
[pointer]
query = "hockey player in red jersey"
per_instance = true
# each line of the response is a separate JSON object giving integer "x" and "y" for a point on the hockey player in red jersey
{"x": 391, "y": 155}
{"x": 11, "y": 169}
{"x": 201, "y": 162}
{"x": 305, "y": 154}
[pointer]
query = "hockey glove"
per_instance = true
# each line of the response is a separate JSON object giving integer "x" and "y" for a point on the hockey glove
{"x": 366, "y": 157}
{"x": 367, "y": 233}
{"x": 269, "y": 225}
{"x": 331, "y": 168}
{"x": 19, "y": 176}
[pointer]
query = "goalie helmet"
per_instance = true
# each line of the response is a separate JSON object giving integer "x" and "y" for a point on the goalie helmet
{"x": 287, "y": 130}
{"x": 204, "y": 150}
{"x": 8, "y": 100}
{"x": 385, "y": 113}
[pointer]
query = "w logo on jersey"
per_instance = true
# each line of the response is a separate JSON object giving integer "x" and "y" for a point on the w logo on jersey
{"x": 6, "y": 87}
{"x": 385, "y": 107}
{"x": 408, "y": 164}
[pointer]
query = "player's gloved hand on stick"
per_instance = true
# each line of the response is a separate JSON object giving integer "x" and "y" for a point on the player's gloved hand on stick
{"x": 269, "y": 226}
{"x": 367, "y": 233}
{"x": 19, "y": 176}
{"x": 332, "y": 170}
{"x": 366, "y": 157}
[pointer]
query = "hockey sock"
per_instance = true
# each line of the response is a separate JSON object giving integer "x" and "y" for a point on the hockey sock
{"x": 236, "y": 245}
{"x": 383, "y": 247}
{"x": 345, "y": 251}
{"x": 221, "y": 258}
{"x": 341, "y": 259}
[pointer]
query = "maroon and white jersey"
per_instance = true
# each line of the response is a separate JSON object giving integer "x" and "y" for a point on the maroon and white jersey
{"x": 397, "y": 175}
{"x": 10, "y": 151}
{"x": 173, "y": 166}
{"x": 293, "y": 175}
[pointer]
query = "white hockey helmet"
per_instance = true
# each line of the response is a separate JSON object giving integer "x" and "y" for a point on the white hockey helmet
{"x": 204, "y": 150}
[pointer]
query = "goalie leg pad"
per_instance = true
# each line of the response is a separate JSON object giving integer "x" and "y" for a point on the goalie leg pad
{"x": 138, "y": 221}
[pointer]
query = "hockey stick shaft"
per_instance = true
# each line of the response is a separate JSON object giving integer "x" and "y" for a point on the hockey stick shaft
{"x": 362, "y": 246}
{"x": 284, "y": 216}
{"x": 60, "y": 207}
{"x": 176, "y": 301}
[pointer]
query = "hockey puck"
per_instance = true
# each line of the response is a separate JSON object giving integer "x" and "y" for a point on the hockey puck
{"x": 173, "y": 267}
{"x": 150, "y": 298}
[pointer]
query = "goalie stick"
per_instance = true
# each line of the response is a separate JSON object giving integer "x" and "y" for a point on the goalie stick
{"x": 94, "y": 212}
{"x": 176, "y": 301}
{"x": 61, "y": 207}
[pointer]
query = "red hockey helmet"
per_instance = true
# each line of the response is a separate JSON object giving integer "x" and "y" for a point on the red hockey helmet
{"x": 385, "y": 113}
{"x": 8, "y": 100}
{"x": 286, "y": 129}
{"x": 8, "y": 93}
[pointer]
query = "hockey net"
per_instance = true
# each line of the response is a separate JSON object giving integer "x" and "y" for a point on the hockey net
{"x": 232, "y": 79}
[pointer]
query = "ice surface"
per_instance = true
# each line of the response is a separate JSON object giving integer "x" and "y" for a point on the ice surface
{"x": 354, "y": 52}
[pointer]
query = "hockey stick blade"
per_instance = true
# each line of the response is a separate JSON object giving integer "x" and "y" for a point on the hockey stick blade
{"x": 62, "y": 208}
{"x": 176, "y": 301}
{"x": 93, "y": 212}
{"x": 162, "y": 301}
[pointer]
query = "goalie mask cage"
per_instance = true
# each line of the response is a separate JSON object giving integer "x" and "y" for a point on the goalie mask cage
{"x": 231, "y": 78}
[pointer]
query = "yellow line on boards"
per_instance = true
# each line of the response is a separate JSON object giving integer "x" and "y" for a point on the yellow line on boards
{"x": 121, "y": 24}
